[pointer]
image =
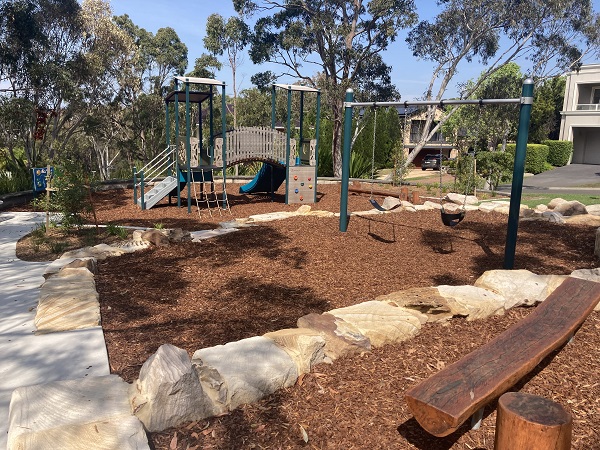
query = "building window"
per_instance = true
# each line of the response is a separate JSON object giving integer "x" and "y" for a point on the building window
{"x": 595, "y": 95}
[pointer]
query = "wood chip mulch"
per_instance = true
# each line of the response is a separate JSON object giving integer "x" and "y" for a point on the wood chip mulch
{"x": 263, "y": 278}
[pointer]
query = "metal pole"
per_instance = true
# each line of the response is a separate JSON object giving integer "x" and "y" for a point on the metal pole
{"x": 168, "y": 138}
{"x": 518, "y": 172}
{"x": 188, "y": 149}
{"x": 273, "y": 105}
{"x": 346, "y": 160}
{"x": 317, "y": 131}
{"x": 301, "y": 150}
{"x": 224, "y": 150}
{"x": 177, "y": 141}
{"x": 142, "y": 201}
{"x": 134, "y": 186}
{"x": 212, "y": 126}
{"x": 288, "y": 142}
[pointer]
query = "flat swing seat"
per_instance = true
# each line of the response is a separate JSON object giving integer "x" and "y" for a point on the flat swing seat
{"x": 378, "y": 207}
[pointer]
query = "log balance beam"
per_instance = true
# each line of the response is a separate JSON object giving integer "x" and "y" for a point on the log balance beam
{"x": 444, "y": 401}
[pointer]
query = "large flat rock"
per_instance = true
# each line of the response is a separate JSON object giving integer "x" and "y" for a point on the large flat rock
{"x": 306, "y": 347}
{"x": 472, "y": 302}
{"x": 519, "y": 287}
{"x": 244, "y": 371}
{"x": 381, "y": 322}
{"x": 81, "y": 414}
{"x": 426, "y": 301}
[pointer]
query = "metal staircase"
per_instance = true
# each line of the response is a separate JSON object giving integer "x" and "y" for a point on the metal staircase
{"x": 163, "y": 165}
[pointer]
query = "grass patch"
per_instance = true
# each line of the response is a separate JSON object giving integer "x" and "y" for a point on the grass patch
{"x": 532, "y": 200}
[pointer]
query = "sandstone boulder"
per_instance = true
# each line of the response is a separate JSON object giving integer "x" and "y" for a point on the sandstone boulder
{"x": 381, "y": 322}
{"x": 244, "y": 371}
{"x": 519, "y": 287}
{"x": 583, "y": 219}
{"x": 460, "y": 199}
{"x": 168, "y": 392}
{"x": 306, "y": 347}
{"x": 426, "y": 301}
{"x": 155, "y": 237}
{"x": 571, "y": 208}
{"x": 594, "y": 210}
{"x": 472, "y": 302}
{"x": 341, "y": 337}
{"x": 555, "y": 202}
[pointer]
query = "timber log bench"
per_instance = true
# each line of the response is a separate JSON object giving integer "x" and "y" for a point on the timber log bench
{"x": 444, "y": 401}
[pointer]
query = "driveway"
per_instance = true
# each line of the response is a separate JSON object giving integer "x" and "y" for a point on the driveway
{"x": 574, "y": 178}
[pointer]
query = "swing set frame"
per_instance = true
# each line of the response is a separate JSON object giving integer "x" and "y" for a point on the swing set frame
{"x": 525, "y": 102}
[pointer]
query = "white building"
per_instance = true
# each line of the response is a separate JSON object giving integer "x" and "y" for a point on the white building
{"x": 580, "y": 122}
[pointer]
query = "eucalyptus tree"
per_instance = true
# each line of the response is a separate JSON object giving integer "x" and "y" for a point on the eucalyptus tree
{"x": 330, "y": 44}
{"x": 551, "y": 34}
{"x": 229, "y": 37}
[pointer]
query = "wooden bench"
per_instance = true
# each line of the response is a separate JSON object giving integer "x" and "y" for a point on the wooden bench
{"x": 448, "y": 398}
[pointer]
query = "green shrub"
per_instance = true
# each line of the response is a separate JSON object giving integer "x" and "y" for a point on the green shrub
{"x": 495, "y": 167}
{"x": 360, "y": 166}
{"x": 325, "y": 168}
{"x": 559, "y": 152}
{"x": 116, "y": 230}
{"x": 14, "y": 181}
{"x": 535, "y": 159}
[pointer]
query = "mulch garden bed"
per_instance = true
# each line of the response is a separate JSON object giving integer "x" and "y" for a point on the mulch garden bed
{"x": 263, "y": 278}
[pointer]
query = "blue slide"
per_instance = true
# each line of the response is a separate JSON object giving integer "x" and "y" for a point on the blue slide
{"x": 262, "y": 180}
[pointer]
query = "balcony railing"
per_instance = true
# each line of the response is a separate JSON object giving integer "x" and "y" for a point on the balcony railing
{"x": 588, "y": 107}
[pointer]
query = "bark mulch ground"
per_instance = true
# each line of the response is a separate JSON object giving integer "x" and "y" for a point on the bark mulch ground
{"x": 261, "y": 279}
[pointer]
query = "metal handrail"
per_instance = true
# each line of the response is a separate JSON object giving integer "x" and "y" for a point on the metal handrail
{"x": 158, "y": 165}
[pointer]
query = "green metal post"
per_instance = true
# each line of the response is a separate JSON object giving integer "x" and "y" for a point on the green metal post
{"x": 142, "y": 201}
{"x": 188, "y": 148}
{"x": 273, "y": 102}
{"x": 134, "y": 186}
{"x": 301, "y": 150}
{"x": 177, "y": 139}
{"x": 317, "y": 131}
{"x": 288, "y": 142}
{"x": 168, "y": 139}
{"x": 212, "y": 126}
{"x": 346, "y": 160}
{"x": 224, "y": 151}
{"x": 518, "y": 173}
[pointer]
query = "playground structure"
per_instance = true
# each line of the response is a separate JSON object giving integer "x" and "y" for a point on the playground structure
{"x": 190, "y": 160}
{"x": 451, "y": 219}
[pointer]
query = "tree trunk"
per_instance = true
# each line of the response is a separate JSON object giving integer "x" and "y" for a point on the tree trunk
{"x": 336, "y": 141}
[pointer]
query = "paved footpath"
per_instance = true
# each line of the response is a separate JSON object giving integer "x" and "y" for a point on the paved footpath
{"x": 26, "y": 358}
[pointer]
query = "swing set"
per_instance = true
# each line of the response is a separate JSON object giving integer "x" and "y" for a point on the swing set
{"x": 449, "y": 219}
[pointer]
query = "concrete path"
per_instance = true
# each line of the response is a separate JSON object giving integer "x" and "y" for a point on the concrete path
{"x": 25, "y": 358}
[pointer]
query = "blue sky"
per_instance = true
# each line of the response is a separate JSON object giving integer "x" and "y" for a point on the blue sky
{"x": 188, "y": 19}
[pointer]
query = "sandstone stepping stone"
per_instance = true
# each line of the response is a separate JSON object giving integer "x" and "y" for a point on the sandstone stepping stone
{"x": 100, "y": 251}
{"x": 519, "y": 287}
{"x": 553, "y": 217}
{"x": 304, "y": 210}
{"x": 472, "y": 302}
{"x": 381, "y": 322}
{"x": 83, "y": 414}
{"x": 306, "y": 347}
{"x": 320, "y": 213}
{"x": 133, "y": 245}
{"x": 56, "y": 265}
{"x": 168, "y": 392}
{"x": 68, "y": 300}
{"x": 487, "y": 206}
{"x": 271, "y": 216}
{"x": 390, "y": 203}
{"x": 341, "y": 338}
{"x": 88, "y": 263}
{"x": 201, "y": 235}
{"x": 426, "y": 301}
{"x": 244, "y": 371}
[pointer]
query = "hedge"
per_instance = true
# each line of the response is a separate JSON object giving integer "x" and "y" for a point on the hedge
{"x": 559, "y": 152}
{"x": 536, "y": 158}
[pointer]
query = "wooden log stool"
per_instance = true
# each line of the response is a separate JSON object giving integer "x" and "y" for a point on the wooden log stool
{"x": 526, "y": 421}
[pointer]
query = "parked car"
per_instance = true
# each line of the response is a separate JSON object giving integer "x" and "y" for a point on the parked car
{"x": 432, "y": 161}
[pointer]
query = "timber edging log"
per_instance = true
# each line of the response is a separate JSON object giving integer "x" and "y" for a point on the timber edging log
{"x": 444, "y": 401}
